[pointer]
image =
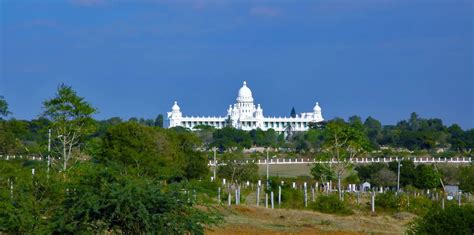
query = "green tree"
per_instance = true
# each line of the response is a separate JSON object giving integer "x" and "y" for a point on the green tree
{"x": 365, "y": 172}
{"x": 426, "y": 177}
{"x": 323, "y": 172}
{"x": 343, "y": 142}
{"x": 3, "y": 107}
{"x": 229, "y": 138}
{"x": 384, "y": 177}
{"x": 407, "y": 171}
{"x": 293, "y": 112}
{"x": 105, "y": 199}
{"x": 452, "y": 220}
{"x": 236, "y": 170}
{"x": 466, "y": 178}
{"x": 374, "y": 131}
{"x": 143, "y": 150}
{"x": 159, "y": 121}
{"x": 71, "y": 119}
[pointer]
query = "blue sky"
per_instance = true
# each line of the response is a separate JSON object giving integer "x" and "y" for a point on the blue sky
{"x": 383, "y": 58}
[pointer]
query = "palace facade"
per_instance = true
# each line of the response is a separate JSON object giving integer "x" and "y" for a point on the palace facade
{"x": 246, "y": 116}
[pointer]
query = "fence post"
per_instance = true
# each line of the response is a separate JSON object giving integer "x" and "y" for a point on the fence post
{"x": 266, "y": 200}
{"x": 459, "y": 198}
{"x": 258, "y": 195}
{"x": 219, "y": 195}
{"x": 305, "y": 195}
{"x": 408, "y": 200}
{"x": 312, "y": 194}
{"x": 279, "y": 196}
{"x": 372, "y": 200}
{"x": 229, "y": 199}
{"x": 237, "y": 197}
{"x": 271, "y": 195}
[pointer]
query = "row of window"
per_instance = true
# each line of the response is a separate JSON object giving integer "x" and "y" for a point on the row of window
{"x": 283, "y": 124}
{"x": 246, "y": 124}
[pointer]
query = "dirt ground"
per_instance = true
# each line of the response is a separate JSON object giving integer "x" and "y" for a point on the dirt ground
{"x": 253, "y": 220}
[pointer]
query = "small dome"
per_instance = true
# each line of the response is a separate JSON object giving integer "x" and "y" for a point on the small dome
{"x": 245, "y": 94}
{"x": 317, "y": 108}
{"x": 175, "y": 106}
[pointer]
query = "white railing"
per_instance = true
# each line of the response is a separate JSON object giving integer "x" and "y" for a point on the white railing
{"x": 289, "y": 161}
{"x": 419, "y": 160}
{"x": 27, "y": 157}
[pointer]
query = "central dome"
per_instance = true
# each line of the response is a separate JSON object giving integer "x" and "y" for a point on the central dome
{"x": 245, "y": 94}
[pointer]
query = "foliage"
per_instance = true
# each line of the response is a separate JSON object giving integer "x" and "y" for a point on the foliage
{"x": 344, "y": 141}
{"x": 466, "y": 178}
{"x": 330, "y": 204}
{"x": 237, "y": 171}
{"x": 104, "y": 199}
{"x": 293, "y": 112}
{"x": 3, "y": 107}
{"x": 420, "y": 205}
{"x": 160, "y": 153}
{"x": 292, "y": 198}
{"x": 71, "y": 118}
{"x": 9, "y": 144}
{"x": 426, "y": 177}
{"x": 366, "y": 172}
{"x": 159, "y": 121}
{"x": 388, "y": 201}
{"x": 408, "y": 171}
{"x": 229, "y": 138}
{"x": 384, "y": 177}
{"x": 451, "y": 220}
{"x": 96, "y": 198}
{"x": 323, "y": 172}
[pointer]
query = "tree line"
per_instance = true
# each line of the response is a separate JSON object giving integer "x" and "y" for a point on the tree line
{"x": 128, "y": 178}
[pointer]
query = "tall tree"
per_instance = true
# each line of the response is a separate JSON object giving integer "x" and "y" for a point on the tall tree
{"x": 3, "y": 107}
{"x": 159, "y": 121}
{"x": 343, "y": 142}
{"x": 384, "y": 177}
{"x": 71, "y": 119}
{"x": 373, "y": 128}
{"x": 323, "y": 172}
{"x": 293, "y": 112}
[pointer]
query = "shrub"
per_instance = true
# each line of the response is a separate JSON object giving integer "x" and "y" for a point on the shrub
{"x": 388, "y": 201}
{"x": 420, "y": 205}
{"x": 292, "y": 198}
{"x": 330, "y": 204}
{"x": 452, "y": 220}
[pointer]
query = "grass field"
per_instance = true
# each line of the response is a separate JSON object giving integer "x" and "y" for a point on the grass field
{"x": 286, "y": 170}
{"x": 259, "y": 220}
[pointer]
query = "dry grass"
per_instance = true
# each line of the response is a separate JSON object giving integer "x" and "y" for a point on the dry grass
{"x": 253, "y": 220}
{"x": 286, "y": 170}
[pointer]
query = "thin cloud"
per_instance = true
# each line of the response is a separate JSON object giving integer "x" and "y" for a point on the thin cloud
{"x": 265, "y": 11}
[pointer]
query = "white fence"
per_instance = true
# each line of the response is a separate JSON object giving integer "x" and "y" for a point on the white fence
{"x": 284, "y": 161}
{"x": 422, "y": 160}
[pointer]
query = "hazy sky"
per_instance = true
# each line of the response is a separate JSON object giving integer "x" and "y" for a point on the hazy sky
{"x": 383, "y": 58}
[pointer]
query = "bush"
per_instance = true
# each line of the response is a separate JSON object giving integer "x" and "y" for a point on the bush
{"x": 388, "y": 201}
{"x": 292, "y": 198}
{"x": 420, "y": 205}
{"x": 330, "y": 204}
{"x": 452, "y": 220}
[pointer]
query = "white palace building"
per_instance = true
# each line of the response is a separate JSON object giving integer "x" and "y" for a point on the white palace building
{"x": 246, "y": 116}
